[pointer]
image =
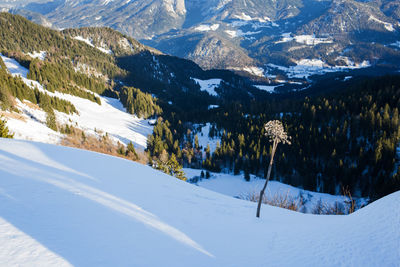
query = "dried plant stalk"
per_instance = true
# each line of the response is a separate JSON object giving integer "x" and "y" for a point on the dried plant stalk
{"x": 276, "y": 133}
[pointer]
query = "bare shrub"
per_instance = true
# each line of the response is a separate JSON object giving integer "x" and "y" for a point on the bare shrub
{"x": 278, "y": 200}
{"x": 75, "y": 137}
{"x": 351, "y": 203}
{"x": 323, "y": 208}
{"x": 347, "y": 206}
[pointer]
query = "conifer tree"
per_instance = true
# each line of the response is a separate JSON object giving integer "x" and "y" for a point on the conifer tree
{"x": 247, "y": 174}
{"x": 196, "y": 141}
{"x": 4, "y": 132}
{"x": 175, "y": 168}
{"x": 51, "y": 119}
{"x": 130, "y": 150}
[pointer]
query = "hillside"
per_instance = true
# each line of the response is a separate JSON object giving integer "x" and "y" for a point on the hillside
{"x": 353, "y": 121}
{"x": 109, "y": 211}
{"x": 260, "y": 37}
{"x": 112, "y": 60}
{"x": 30, "y": 121}
{"x": 92, "y": 63}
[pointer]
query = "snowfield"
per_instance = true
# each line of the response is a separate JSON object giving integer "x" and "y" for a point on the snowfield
{"x": 268, "y": 88}
{"x": 40, "y": 55}
{"x": 388, "y": 26}
{"x": 239, "y": 33}
{"x": 31, "y": 124}
{"x": 236, "y": 186}
{"x": 63, "y": 206}
{"x": 109, "y": 117}
{"x": 206, "y": 28}
{"x": 205, "y": 139}
{"x": 89, "y": 42}
{"x": 310, "y": 40}
{"x": 208, "y": 85}
{"x": 307, "y": 67}
{"x": 252, "y": 70}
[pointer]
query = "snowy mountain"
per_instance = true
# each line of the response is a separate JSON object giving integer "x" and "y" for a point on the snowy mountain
{"x": 142, "y": 19}
{"x": 250, "y": 36}
{"x": 73, "y": 87}
{"x": 57, "y": 211}
{"x": 101, "y": 62}
{"x": 65, "y": 207}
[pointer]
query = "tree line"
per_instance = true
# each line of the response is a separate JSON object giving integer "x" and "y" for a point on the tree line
{"x": 347, "y": 138}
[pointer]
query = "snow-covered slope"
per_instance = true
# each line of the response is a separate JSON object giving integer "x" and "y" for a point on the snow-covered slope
{"x": 110, "y": 117}
{"x": 204, "y": 138}
{"x": 236, "y": 186}
{"x": 208, "y": 85}
{"x": 62, "y": 206}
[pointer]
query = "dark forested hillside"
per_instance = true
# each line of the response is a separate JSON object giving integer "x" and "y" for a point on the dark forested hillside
{"x": 342, "y": 139}
{"x": 139, "y": 103}
{"x": 20, "y": 35}
{"x": 347, "y": 138}
{"x": 104, "y": 37}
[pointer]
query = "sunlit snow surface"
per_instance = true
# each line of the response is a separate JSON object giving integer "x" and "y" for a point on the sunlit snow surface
{"x": 89, "y": 42}
{"x": 206, "y": 28}
{"x": 388, "y": 26}
{"x": 68, "y": 206}
{"x": 303, "y": 39}
{"x": 40, "y": 55}
{"x": 257, "y": 71}
{"x": 110, "y": 117}
{"x": 307, "y": 67}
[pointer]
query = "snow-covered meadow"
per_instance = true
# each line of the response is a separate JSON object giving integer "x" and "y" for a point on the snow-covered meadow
{"x": 206, "y": 28}
{"x": 208, "y": 85}
{"x": 268, "y": 88}
{"x": 64, "y": 206}
{"x": 236, "y": 186}
{"x": 203, "y": 134}
{"x": 307, "y": 67}
{"x": 310, "y": 40}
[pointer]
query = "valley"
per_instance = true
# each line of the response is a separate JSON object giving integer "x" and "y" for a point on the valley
{"x": 245, "y": 36}
{"x": 181, "y": 113}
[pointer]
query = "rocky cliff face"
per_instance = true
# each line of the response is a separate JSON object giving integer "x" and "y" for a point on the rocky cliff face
{"x": 141, "y": 19}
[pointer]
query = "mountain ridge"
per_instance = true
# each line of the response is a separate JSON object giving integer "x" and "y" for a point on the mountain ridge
{"x": 243, "y": 35}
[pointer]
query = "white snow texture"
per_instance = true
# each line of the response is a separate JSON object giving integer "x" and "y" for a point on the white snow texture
{"x": 63, "y": 206}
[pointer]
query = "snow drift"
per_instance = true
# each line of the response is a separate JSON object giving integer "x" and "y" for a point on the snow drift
{"x": 63, "y": 206}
